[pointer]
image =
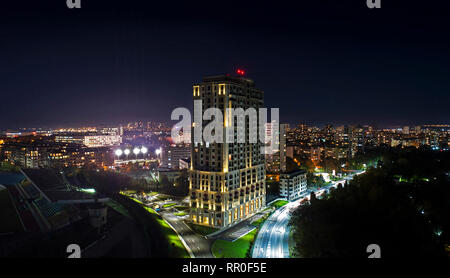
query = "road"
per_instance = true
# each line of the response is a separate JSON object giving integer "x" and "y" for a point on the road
{"x": 272, "y": 240}
{"x": 200, "y": 247}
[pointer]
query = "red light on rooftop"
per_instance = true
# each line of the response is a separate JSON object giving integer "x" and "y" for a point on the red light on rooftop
{"x": 240, "y": 72}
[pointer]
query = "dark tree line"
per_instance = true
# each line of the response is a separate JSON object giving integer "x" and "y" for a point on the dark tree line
{"x": 404, "y": 219}
{"x": 178, "y": 188}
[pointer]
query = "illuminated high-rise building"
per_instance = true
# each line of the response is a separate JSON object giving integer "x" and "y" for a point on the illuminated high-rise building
{"x": 227, "y": 180}
{"x": 276, "y": 159}
{"x": 357, "y": 140}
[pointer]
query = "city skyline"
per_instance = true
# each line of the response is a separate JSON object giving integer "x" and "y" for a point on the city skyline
{"x": 320, "y": 63}
{"x": 170, "y": 124}
{"x": 235, "y": 130}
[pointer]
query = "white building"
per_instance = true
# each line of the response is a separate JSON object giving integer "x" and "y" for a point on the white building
{"x": 276, "y": 160}
{"x": 171, "y": 174}
{"x": 293, "y": 184}
{"x": 171, "y": 155}
{"x": 90, "y": 140}
{"x": 93, "y": 141}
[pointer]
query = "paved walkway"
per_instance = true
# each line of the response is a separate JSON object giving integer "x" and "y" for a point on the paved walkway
{"x": 200, "y": 246}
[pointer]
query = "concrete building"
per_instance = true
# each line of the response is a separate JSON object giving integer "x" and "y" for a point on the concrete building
{"x": 171, "y": 155}
{"x": 283, "y": 147}
{"x": 185, "y": 163}
{"x": 227, "y": 180}
{"x": 405, "y": 130}
{"x": 90, "y": 140}
{"x": 357, "y": 140}
{"x": 290, "y": 151}
{"x": 293, "y": 184}
{"x": 41, "y": 154}
{"x": 171, "y": 174}
{"x": 276, "y": 161}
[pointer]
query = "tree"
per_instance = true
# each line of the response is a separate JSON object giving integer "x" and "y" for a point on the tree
{"x": 273, "y": 187}
{"x": 182, "y": 184}
{"x": 164, "y": 181}
{"x": 306, "y": 164}
{"x": 312, "y": 197}
{"x": 291, "y": 165}
{"x": 313, "y": 180}
{"x": 330, "y": 164}
{"x": 373, "y": 209}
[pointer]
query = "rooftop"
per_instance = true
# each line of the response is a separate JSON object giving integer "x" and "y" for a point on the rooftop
{"x": 229, "y": 78}
{"x": 294, "y": 173}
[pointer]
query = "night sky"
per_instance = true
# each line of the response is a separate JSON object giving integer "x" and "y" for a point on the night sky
{"x": 318, "y": 61}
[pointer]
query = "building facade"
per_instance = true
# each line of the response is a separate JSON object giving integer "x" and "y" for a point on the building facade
{"x": 227, "y": 180}
{"x": 276, "y": 160}
{"x": 90, "y": 140}
{"x": 293, "y": 185}
{"x": 171, "y": 155}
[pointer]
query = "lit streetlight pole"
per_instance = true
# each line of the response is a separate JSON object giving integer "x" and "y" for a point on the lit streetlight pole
{"x": 136, "y": 151}
{"x": 126, "y": 152}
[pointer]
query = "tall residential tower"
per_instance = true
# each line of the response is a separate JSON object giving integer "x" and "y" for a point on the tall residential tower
{"x": 227, "y": 180}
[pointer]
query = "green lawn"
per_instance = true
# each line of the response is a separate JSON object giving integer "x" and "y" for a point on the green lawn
{"x": 237, "y": 249}
{"x": 278, "y": 204}
{"x": 178, "y": 248}
{"x": 261, "y": 220}
{"x": 161, "y": 197}
{"x": 134, "y": 199}
{"x": 169, "y": 205}
{"x": 152, "y": 211}
{"x": 202, "y": 230}
{"x": 181, "y": 207}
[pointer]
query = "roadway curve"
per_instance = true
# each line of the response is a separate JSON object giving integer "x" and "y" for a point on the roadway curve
{"x": 198, "y": 245}
{"x": 272, "y": 240}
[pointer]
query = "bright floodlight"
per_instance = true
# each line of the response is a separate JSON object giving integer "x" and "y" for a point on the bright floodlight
{"x": 136, "y": 151}
{"x": 126, "y": 151}
{"x": 158, "y": 151}
{"x": 144, "y": 150}
{"x": 119, "y": 152}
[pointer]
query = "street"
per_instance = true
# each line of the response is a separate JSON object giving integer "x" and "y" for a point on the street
{"x": 199, "y": 246}
{"x": 273, "y": 238}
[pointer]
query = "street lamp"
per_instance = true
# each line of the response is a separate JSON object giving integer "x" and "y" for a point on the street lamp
{"x": 126, "y": 152}
{"x": 118, "y": 153}
{"x": 144, "y": 150}
{"x": 136, "y": 151}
